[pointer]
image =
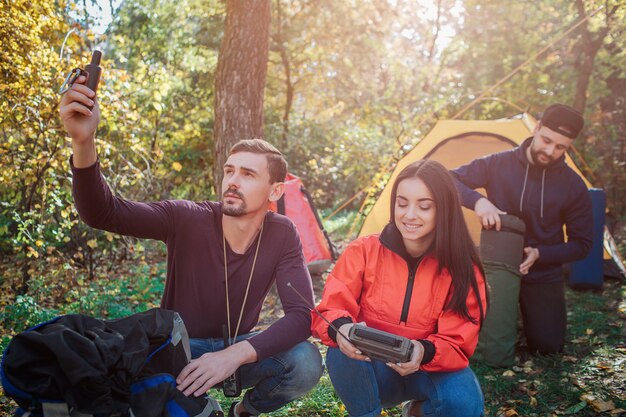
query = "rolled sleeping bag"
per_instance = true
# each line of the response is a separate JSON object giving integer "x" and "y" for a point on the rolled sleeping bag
{"x": 501, "y": 252}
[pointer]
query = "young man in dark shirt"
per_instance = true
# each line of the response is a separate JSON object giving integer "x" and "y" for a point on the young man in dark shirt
{"x": 534, "y": 183}
{"x": 223, "y": 258}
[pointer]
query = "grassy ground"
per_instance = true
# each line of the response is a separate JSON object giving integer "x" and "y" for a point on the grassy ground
{"x": 587, "y": 380}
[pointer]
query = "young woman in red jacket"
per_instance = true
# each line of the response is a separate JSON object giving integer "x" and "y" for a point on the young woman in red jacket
{"x": 420, "y": 278}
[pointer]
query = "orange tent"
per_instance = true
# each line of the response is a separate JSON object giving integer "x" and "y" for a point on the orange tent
{"x": 297, "y": 204}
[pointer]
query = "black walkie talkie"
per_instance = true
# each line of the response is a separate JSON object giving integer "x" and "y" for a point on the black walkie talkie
{"x": 231, "y": 386}
{"x": 93, "y": 70}
{"x": 374, "y": 343}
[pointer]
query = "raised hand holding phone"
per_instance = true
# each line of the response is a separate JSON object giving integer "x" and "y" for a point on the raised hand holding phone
{"x": 80, "y": 113}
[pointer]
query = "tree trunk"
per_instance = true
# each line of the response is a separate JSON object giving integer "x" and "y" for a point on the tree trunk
{"x": 240, "y": 78}
{"x": 591, "y": 42}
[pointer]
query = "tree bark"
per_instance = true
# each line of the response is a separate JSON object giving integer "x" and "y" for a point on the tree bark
{"x": 240, "y": 78}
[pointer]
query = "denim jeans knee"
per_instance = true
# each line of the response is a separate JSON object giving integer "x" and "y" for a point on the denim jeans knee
{"x": 282, "y": 378}
{"x": 366, "y": 387}
{"x": 355, "y": 383}
{"x": 274, "y": 381}
{"x": 458, "y": 393}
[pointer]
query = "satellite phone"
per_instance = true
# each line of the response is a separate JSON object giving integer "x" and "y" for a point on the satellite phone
{"x": 374, "y": 343}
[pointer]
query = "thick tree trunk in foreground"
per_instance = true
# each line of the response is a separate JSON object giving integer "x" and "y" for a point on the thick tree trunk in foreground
{"x": 240, "y": 78}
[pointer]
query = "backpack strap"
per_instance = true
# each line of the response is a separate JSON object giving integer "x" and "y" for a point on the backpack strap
{"x": 179, "y": 334}
{"x": 58, "y": 409}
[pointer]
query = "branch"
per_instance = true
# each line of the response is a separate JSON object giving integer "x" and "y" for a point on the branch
{"x": 431, "y": 50}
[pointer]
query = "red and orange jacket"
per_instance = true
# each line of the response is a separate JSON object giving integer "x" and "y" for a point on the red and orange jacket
{"x": 372, "y": 283}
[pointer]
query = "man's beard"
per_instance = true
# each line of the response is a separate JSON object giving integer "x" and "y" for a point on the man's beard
{"x": 234, "y": 211}
{"x": 535, "y": 156}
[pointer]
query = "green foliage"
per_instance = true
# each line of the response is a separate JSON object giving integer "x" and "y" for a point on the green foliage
{"x": 39, "y": 227}
{"x": 168, "y": 51}
{"x": 118, "y": 298}
{"x": 134, "y": 290}
{"x": 25, "y": 313}
{"x": 339, "y": 225}
{"x": 155, "y": 96}
{"x": 341, "y": 99}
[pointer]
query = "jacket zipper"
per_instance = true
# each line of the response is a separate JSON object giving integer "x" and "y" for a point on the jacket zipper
{"x": 408, "y": 293}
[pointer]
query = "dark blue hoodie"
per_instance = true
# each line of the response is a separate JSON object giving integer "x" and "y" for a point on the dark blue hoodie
{"x": 545, "y": 198}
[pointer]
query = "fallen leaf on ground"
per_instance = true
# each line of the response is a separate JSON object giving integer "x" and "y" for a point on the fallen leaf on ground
{"x": 598, "y": 404}
{"x": 573, "y": 409}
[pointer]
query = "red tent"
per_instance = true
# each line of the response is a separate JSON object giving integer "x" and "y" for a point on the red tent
{"x": 297, "y": 204}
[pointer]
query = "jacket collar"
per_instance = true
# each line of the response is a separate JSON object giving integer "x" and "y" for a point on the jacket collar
{"x": 391, "y": 238}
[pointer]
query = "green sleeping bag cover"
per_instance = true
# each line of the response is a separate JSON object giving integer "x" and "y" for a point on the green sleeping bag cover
{"x": 496, "y": 343}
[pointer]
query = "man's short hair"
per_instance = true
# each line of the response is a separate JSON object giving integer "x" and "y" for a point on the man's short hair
{"x": 276, "y": 163}
{"x": 563, "y": 119}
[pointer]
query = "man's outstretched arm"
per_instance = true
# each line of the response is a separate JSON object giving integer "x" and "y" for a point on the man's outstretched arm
{"x": 95, "y": 203}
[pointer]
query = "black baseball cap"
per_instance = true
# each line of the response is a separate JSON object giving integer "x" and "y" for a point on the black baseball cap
{"x": 563, "y": 119}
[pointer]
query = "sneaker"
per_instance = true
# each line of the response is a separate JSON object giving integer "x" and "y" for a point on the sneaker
{"x": 412, "y": 409}
{"x": 231, "y": 412}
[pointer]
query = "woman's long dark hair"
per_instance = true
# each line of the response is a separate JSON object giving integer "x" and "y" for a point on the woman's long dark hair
{"x": 453, "y": 245}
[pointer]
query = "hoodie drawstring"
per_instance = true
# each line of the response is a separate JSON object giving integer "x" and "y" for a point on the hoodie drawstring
{"x": 521, "y": 200}
{"x": 543, "y": 183}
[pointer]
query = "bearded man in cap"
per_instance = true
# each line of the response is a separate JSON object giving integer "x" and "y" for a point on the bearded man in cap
{"x": 534, "y": 183}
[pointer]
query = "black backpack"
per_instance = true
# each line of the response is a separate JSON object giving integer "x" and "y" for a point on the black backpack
{"x": 79, "y": 366}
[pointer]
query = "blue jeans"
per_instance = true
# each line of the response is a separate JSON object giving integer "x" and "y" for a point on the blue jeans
{"x": 367, "y": 387}
{"x": 275, "y": 381}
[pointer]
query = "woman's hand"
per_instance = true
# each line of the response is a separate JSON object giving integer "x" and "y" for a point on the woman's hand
{"x": 348, "y": 348}
{"x": 413, "y": 365}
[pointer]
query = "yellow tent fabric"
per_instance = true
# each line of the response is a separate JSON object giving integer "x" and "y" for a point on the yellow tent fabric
{"x": 454, "y": 143}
